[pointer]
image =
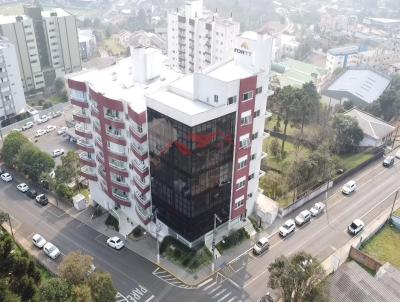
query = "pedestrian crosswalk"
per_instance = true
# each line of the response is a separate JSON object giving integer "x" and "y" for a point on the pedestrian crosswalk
{"x": 219, "y": 290}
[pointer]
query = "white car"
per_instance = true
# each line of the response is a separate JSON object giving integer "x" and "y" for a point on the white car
{"x": 355, "y": 227}
{"x": 62, "y": 130}
{"x": 317, "y": 209}
{"x": 51, "y": 250}
{"x": 27, "y": 126}
{"x": 398, "y": 154}
{"x": 58, "y": 152}
{"x": 6, "y": 177}
{"x": 50, "y": 128}
{"x": 303, "y": 217}
{"x": 115, "y": 243}
{"x": 40, "y": 132}
{"x": 38, "y": 241}
{"x": 261, "y": 246}
{"x": 349, "y": 187}
{"x": 287, "y": 228}
{"x": 23, "y": 187}
{"x": 56, "y": 114}
{"x": 43, "y": 119}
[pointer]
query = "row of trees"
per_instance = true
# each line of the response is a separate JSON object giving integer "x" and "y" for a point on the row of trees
{"x": 20, "y": 278}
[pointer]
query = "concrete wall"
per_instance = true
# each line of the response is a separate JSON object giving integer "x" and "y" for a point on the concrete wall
{"x": 396, "y": 221}
{"x": 364, "y": 259}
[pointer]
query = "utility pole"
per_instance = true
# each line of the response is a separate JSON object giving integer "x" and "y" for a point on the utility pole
{"x": 394, "y": 202}
{"x": 213, "y": 240}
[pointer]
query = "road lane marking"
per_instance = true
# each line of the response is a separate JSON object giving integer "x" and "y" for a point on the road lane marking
{"x": 205, "y": 282}
{"x": 219, "y": 293}
{"x": 209, "y": 286}
{"x": 231, "y": 299}
{"x": 215, "y": 289}
{"x": 149, "y": 299}
{"x": 224, "y": 297}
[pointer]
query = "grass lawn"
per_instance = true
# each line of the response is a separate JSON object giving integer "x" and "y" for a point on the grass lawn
{"x": 385, "y": 246}
{"x": 114, "y": 46}
{"x": 397, "y": 213}
{"x": 350, "y": 161}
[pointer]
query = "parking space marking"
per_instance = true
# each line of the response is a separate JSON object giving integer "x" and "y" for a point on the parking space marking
{"x": 170, "y": 279}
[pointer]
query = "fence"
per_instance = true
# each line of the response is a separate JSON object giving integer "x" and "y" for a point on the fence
{"x": 364, "y": 259}
{"x": 34, "y": 117}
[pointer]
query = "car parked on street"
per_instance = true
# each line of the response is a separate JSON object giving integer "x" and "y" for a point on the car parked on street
{"x": 42, "y": 199}
{"x": 388, "y": 161}
{"x": 23, "y": 187}
{"x": 115, "y": 243}
{"x": 287, "y": 228}
{"x": 43, "y": 119}
{"x": 303, "y": 217}
{"x": 38, "y": 241}
{"x": 58, "y": 152}
{"x": 56, "y": 114}
{"x": 31, "y": 193}
{"x": 6, "y": 177}
{"x": 50, "y": 128}
{"x": 349, "y": 187}
{"x": 317, "y": 209}
{"x": 27, "y": 126}
{"x": 261, "y": 246}
{"x": 40, "y": 132}
{"x": 51, "y": 250}
{"x": 62, "y": 130}
{"x": 356, "y": 227}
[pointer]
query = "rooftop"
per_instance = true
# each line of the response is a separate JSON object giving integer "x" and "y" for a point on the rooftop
{"x": 384, "y": 20}
{"x": 228, "y": 72}
{"x": 364, "y": 84}
{"x": 346, "y": 50}
{"x": 370, "y": 125}
{"x": 59, "y": 11}
{"x": 296, "y": 73}
{"x": 117, "y": 82}
{"x": 6, "y": 19}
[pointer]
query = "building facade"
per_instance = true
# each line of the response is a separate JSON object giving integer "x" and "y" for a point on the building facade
{"x": 46, "y": 43}
{"x": 198, "y": 38}
{"x": 12, "y": 98}
{"x": 185, "y": 147}
{"x": 87, "y": 43}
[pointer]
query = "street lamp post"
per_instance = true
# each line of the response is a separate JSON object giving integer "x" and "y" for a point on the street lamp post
{"x": 213, "y": 240}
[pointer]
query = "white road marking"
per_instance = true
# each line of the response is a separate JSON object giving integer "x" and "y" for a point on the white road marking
{"x": 149, "y": 299}
{"x": 205, "y": 282}
{"x": 231, "y": 299}
{"x": 224, "y": 297}
{"x": 219, "y": 293}
{"x": 215, "y": 289}
{"x": 210, "y": 285}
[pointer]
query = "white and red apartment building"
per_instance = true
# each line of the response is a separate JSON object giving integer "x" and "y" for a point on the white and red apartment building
{"x": 188, "y": 146}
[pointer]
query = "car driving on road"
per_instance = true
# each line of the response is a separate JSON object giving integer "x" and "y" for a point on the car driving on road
{"x": 51, "y": 250}
{"x": 287, "y": 228}
{"x": 115, "y": 243}
{"x": 303, "y": 217}
{"x": 355, "y": 227}
{"x": 317, "y": 209}
{"x": 261, "y": 246}
{"x": 38, "y": 241}
{"x": 388, "y": 161}
{"x": 349, "y": 187}
{"x": 23, "y": 187}
{"x": 27, "y": 126}
{"x": 6, "y": 177}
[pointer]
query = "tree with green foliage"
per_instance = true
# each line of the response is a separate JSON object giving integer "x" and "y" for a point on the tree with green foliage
{"x": 55, "y": 290}
{"x": 12, "y": 144}
{"x": 348, "y": 134}
{"x": 6, "y": 295}
{"x": 59, "y": 85}
{"x": 69, "y": 170}
{"x": 299, "y": 173}
{"x": 82, "y": 293}
{"x": 298, "y": 278}
{"x": 274, "y": 148}
{"x": 33, "y": 162}
{"x": 101, "y": 286}
{"x": 322, "y": 163}
{"x": 75, "y": 267}
{"x": 308, "y": 104}
{"x": 273, "y": 184}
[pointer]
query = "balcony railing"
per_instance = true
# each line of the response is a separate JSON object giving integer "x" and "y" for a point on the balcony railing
{"x": 112, "y": 117}
{"x": 144, "y": 217}
{"x": 120, "y": 196}
{"x": 117, "y": 167}
{"x": 141, "y": 167}
{"x": 141, "y": 184}
{"x": 140, "y": 150}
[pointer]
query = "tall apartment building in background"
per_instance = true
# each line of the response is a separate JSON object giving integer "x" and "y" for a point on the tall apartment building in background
{"x": 46, "y": 43}
{"x": 12, "y": 98}
{"x": 198, "y": 38}
{"x": 188, "y": 147}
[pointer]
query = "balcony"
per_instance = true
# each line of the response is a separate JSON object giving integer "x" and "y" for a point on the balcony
{"x": 141, "y": 186}
{"x": 88, "y": 173}
{"x": 140, "y": 169}
{"x": 85, "y": 146}
{"x": 140, "y": 152}
{"x": 98, "y": 143}
{"x": 120, "y": 198}
{"x": 85, "y": 160}
{"x": 116, "y": 138}
{"x": 100, "y": 158}
{"x": 118, "y": 170}
{"x": 79, "y": 102}
{"x": 95, "y": 111}
{"x": 102, "y": 173}
{"x": 145, "y": 218}
{"x": 83, "y": 132}
{"x": 120, "y": 185}
{"x": 142, "y": 200}
{"x": 114, "y": 121}
{"x": 118, "y": 155}
{"x": 140, "y": 137}
{"x": 80, "y": 117}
